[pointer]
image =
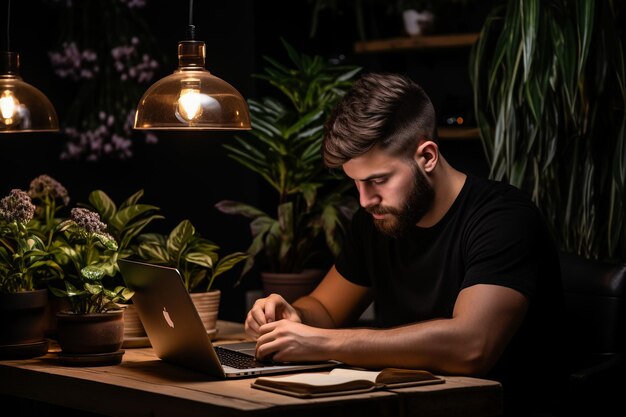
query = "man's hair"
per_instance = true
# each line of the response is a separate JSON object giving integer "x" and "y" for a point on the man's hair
{"x": 387, "y": 110}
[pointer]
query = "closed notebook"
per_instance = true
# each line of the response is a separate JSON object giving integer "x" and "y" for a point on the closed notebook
{"x": 345, "y": 381}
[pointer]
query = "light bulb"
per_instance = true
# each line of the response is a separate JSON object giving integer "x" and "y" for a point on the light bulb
{"x": 189, "y": 105}
{"x": 9, "y": 108}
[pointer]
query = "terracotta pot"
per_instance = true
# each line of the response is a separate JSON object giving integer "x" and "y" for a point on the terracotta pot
{"x": 133, "y": 327}
{"x": 92, "y": 333}
{"x": 22, "y": 317}
{"x": 291, "y": 286}
{"x": 208, "y": 305}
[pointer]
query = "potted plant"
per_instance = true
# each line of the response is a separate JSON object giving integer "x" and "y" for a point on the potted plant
{"x": 24, "y": 262}
{"x": 91, "y": 331}
{"x": 198, "y": 262}
{"x": 284, "y": 149}
{"x": 125, "y": 222}
{"x": 50, "y": 198}
{"x": 550, "y": 101}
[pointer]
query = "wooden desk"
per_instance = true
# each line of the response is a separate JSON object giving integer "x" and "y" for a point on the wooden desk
{"x": 144, "y": 385}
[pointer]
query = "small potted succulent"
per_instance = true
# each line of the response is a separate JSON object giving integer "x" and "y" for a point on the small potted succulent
{"x": 198, "y": 262}
{"x": 92, "y": 330}
{"x": 24, "y": 263}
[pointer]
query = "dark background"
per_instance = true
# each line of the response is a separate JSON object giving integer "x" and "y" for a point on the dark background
{"x": 185, "y": 174}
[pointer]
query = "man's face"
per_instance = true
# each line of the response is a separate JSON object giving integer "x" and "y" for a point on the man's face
{"x": 393, "y": 190}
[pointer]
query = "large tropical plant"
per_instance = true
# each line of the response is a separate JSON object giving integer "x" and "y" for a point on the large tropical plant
{"x": 284, "y": 149}
{"x": 550, "y": 94}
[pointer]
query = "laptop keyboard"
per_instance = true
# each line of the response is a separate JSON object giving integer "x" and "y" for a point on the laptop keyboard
{"x": 238, "y": 360}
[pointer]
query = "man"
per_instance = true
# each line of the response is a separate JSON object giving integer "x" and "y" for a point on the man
{"x": 462, "y": 270}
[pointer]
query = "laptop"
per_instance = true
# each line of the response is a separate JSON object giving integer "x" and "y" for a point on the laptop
{"x": 178, "y": 335}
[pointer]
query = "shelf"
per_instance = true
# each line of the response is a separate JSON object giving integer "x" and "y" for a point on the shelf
{"x": 416, "y": 42}
{"x": 459, "y": 133}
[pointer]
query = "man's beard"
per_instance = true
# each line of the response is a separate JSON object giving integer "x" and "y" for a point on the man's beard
{"x": 399, "y": 220}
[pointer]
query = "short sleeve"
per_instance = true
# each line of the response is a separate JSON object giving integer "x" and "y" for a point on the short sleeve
{"x": 503, "y": 247}
{"x": 350, "y": 262}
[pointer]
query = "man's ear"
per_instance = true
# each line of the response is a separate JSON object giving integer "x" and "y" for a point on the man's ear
{"x": 427, "y": 155}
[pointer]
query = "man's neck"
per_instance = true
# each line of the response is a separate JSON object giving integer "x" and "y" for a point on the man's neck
{"x": 448, "y": 183}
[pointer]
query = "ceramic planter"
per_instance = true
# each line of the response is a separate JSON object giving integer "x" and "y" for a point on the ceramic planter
{"x": 291, "y": 286}
{"x": 134, "y": 333}
{"x": 22, "y": 322}
{"x": 207, "y": 304}
{"x": 91, "y": 339}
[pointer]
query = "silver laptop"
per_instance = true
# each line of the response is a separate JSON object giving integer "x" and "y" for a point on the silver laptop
{"x": 178, "y": 335}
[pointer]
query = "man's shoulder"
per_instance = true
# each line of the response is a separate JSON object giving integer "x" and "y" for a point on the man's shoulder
{"x": 501, "y": 205}
{"x": 491, "y": 193}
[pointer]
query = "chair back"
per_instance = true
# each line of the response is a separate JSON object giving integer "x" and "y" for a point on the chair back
{"x": 594, "y": 307}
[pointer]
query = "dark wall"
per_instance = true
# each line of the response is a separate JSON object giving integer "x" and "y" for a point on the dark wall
{"x": 184, "y": 174}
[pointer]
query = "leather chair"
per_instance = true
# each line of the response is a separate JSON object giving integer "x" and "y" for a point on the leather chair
{"x": 595, "y": 335}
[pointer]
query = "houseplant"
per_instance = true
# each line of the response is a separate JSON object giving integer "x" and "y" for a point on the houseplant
{"x": 24, "y": 262}
{"x": 125, "y": 222}
{"x": 91, "y": 331}
{"x": 50, "y": 198}
{"x": 550, "y": 101}
{"x": 196, "y": 259}
{"x": 284, "y": 150}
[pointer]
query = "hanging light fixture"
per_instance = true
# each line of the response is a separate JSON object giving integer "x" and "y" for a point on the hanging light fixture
{"x": 23, "y": 108}
{"x": 191, "y": 98}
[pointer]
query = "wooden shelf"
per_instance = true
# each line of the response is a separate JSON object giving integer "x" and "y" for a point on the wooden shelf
{"x": 416, "y": 42}
{"x": 459, "y": 133}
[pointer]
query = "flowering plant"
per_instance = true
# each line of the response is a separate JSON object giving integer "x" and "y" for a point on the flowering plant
{"x": 23, "y": 258}
{"x": 49, "y": 197}
{"x": 104, "y": 75}
{"x": 88, "y": 255}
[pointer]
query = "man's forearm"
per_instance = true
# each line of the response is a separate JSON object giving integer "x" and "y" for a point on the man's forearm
{"x": 313, "y": 313}
{"x": 438, "y": 346}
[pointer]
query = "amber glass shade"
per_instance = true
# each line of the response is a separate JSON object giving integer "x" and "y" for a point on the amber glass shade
{"x": 191, "y": 98}
{"x": 23, "y": 108}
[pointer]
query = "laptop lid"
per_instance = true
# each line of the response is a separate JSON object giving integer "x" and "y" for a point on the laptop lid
{"x": 175, "y": 329}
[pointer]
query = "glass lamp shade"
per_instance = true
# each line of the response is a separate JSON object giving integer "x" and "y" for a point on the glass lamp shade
{"x": 23, "y": 108}
{"x": 191, "y": 98}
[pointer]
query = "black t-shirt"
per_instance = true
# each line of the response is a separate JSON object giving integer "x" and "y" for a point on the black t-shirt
{"x": 492, "y": 234}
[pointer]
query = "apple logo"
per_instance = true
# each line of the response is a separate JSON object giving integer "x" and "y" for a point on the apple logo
{"x": 168, "y": 319}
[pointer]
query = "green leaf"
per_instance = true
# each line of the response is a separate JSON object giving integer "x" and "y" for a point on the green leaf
{"x": 229, "y": 261}
{"x": 235, "y": 207}
{"x": 94, "y": 289}
{"x": 132, "y": 200}
{"x": 179, "y": 238}
{"x": 199, "y": 258}
{"x": 93, "y": 273}
{"x": 103, "y": 205}
{"x": 126, "y": 215}
{"x": 154, "y": 252}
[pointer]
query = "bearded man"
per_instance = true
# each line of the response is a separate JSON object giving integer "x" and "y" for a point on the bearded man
{"x": 462, "y": 270}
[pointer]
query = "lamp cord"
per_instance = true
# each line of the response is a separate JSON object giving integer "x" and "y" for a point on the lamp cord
{"x": 191, "y": 29}
{"x": 8, "y": 23}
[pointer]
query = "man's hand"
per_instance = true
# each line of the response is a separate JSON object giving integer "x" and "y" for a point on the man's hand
{"x": 287, "y": 341}
{"x": 268, "y": 310}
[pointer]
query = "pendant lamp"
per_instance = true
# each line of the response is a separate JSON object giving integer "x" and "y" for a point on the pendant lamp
{"x": 23, "y": 108}
{"x": 192, "y": 98}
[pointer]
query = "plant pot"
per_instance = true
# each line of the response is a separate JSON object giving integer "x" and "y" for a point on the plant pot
{"x": 91, "y": 339}
{"x": 54, "y": 305}
{"x": 134, "y": 333}
{"x": 22, "y": 324}
{"x": 208, "y": 304}
{"x": 291, "y": 286}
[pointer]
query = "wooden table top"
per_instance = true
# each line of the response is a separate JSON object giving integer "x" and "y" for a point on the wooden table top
{"x": 144, "y": 385}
